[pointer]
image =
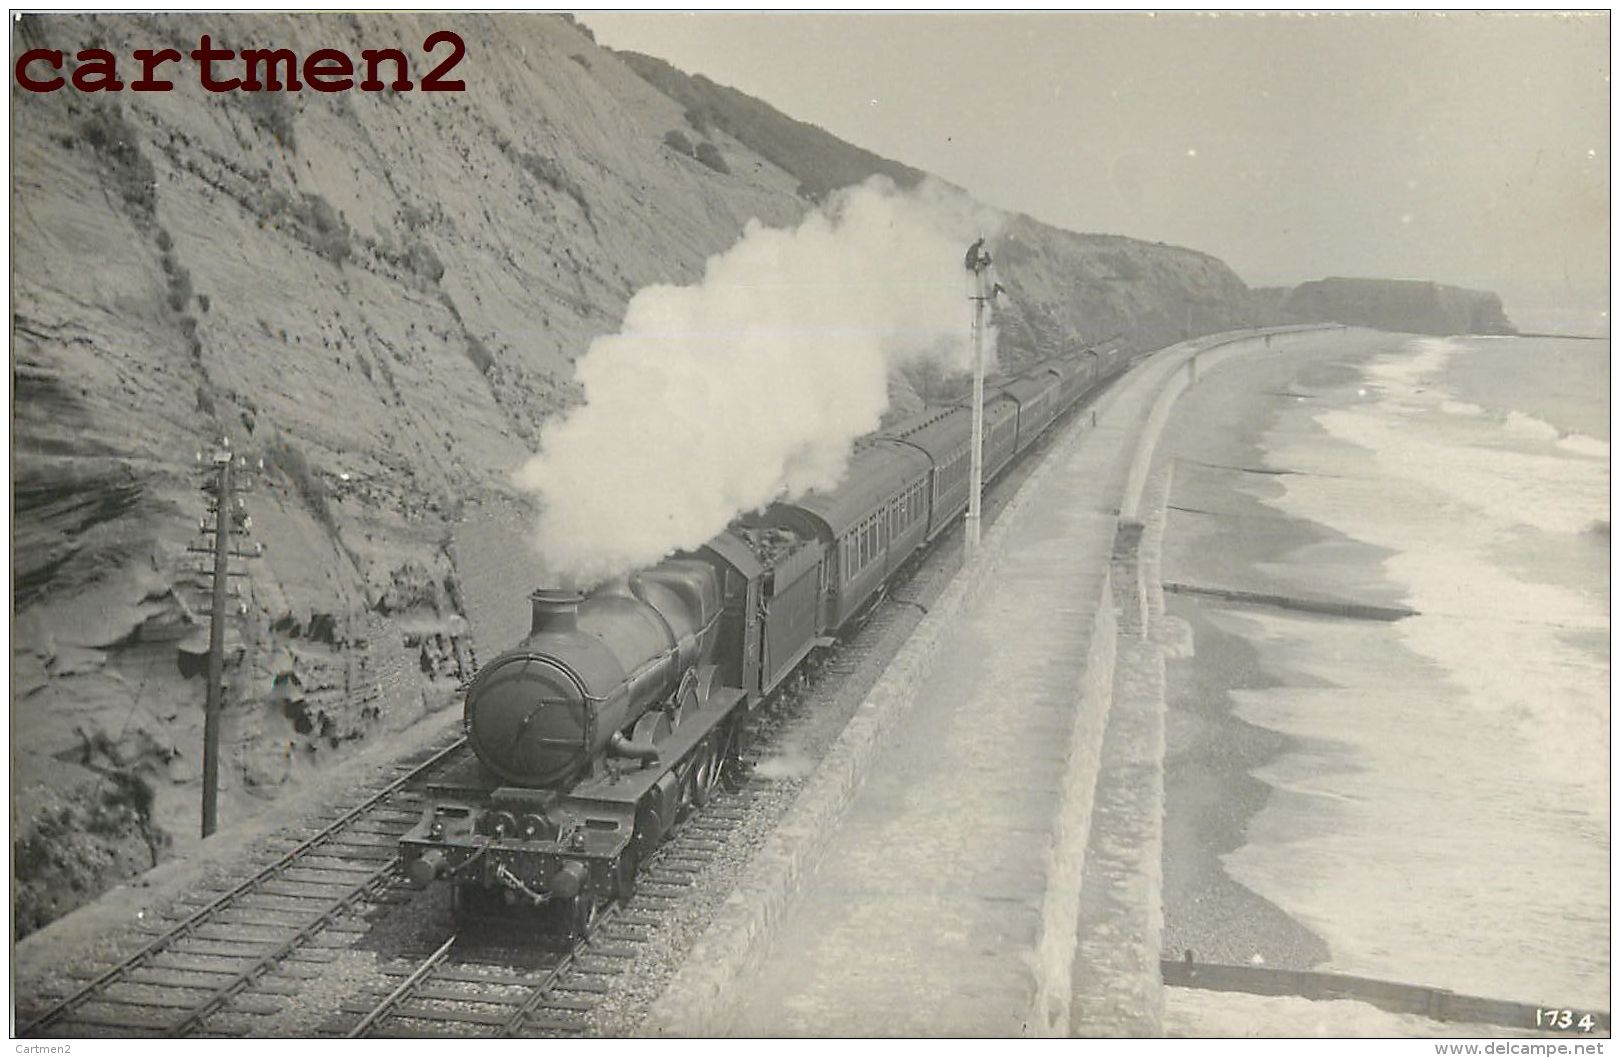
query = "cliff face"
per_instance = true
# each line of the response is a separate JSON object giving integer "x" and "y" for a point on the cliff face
{"x": 381, "y": 295}
{"x": 1397, "y": 305}
{"x": 1068, "y": 288}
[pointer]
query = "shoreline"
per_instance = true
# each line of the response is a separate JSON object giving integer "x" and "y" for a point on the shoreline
{"x": 1338, "y": 792}
{"x": 1219, "y": 534}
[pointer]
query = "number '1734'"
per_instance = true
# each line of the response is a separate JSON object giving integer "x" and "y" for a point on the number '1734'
{"x": 1551, "y": 1018}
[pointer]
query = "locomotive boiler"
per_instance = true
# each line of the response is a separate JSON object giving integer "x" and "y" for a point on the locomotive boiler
{"x": 592, "y": 667}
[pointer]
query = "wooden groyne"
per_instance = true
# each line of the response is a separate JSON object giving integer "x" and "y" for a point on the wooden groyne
{"x": 1437, "y": 1004}
{"x": 1328, "y": 607}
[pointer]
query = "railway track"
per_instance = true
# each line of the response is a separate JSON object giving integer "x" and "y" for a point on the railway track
{"x": 230, "y": 948}
{"x": 470, "y": 988}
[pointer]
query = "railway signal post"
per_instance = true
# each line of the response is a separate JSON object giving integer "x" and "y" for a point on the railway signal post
{"x": 977, "y": 263}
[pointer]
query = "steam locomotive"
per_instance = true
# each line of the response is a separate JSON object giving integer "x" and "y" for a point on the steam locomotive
{"x": 624, "y": 708}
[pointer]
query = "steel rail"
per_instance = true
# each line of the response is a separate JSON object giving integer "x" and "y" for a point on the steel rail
{"x": 216, "y": 1001}
{"x": 542, "y": 990}
{"x": 381, "y": 1010}
{"x": 203, "y": 915}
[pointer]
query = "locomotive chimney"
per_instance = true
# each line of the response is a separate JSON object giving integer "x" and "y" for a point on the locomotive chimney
{"x": 554, "y": 610}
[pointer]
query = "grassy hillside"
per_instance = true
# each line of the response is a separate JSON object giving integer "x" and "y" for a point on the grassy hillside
{"x": 821, "y": 161}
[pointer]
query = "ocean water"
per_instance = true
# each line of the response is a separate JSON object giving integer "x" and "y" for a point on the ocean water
{"x": 1445, "y": 819}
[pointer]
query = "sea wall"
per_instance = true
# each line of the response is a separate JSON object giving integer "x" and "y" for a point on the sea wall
{"x": 1119, "y": 988}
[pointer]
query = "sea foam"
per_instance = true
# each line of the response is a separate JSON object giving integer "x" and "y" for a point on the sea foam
{"x": 1447, "y": 799}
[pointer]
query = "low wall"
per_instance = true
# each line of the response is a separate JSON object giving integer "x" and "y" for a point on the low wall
{"x": 1204, "y": 354}
{"x": 1052, "y": 1011}
{"x": 1121, "y": 981}
{"x": 1117, "y": 991}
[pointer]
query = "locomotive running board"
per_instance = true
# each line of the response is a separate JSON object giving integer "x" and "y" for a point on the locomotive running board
{"x": 630, "y": 783}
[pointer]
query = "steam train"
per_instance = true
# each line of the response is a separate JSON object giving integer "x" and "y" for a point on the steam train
{"x": 624, "y": 708}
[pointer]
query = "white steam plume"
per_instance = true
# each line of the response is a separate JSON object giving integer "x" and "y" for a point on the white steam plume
{"x": 719, "y": 398}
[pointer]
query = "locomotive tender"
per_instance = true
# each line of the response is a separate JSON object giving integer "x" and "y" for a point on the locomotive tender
{"x": 623, "y": 708}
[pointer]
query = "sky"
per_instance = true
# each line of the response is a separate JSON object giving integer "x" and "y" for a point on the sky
{"x": 1464, "y": 147}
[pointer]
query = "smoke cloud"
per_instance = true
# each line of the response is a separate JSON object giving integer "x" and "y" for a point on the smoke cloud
{"x": 719, "y": 398}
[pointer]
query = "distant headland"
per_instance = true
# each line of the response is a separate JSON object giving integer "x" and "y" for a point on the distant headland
{"x": 1410, "y": 305}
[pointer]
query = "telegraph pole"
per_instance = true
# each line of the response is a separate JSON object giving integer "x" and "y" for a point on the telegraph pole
{"x": 230, "y": 518}
{"x": 978, "y": 263}
{"x": 216, "y": 639}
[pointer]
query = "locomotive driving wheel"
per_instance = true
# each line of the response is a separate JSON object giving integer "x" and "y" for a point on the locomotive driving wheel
{"x": 711, "y": 771}
{"x": 706, "y": 775}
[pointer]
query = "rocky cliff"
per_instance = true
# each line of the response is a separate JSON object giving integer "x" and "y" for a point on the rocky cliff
{"x": 381, "y": 295}
{"x": 1409, "y": 305}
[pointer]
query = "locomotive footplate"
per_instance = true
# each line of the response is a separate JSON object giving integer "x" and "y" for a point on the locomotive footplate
{"x": 552, "y": 855}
